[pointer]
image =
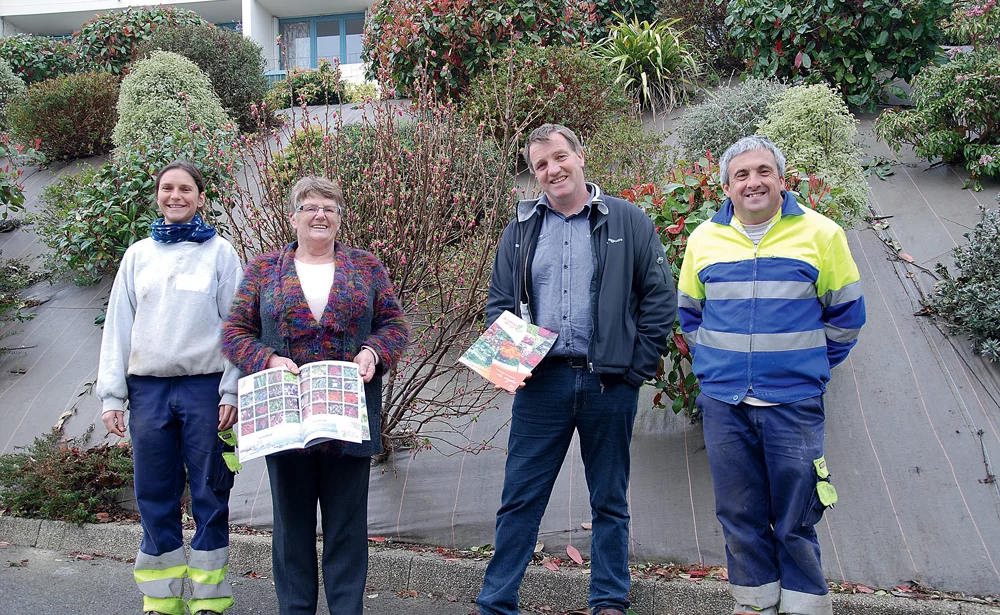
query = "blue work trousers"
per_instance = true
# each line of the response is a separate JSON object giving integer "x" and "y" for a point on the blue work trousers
{"x": 557, "y": 400}
{"x": 339, "y": 483}
{"x": 174, "y": 423}
{"x": 762, "y": 463}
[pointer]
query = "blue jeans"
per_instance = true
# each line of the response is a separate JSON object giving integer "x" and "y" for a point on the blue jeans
{"x": 300, "y": 479}
{"x": 761, "y": 460}
{"x": 557, "y": 400}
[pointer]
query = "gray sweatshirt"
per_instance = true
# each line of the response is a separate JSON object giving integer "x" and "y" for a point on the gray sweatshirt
{"x": 165, "y": 316}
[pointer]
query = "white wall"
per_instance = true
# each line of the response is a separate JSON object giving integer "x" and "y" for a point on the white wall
{"x": 260, "y": 26}
{"x": 6, "y": 29}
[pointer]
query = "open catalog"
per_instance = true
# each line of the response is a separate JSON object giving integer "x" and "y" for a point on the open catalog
{"x": 508, "y": 350}
{"x": 280, "y": 411}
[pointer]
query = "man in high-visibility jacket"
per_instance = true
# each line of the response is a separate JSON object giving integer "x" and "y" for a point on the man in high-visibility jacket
{"x": 770, "y": 299}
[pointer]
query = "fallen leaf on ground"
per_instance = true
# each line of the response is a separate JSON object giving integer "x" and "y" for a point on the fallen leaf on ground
{"x": 586, "y": 525}
{"x": 906, "y": 257}
{"x": 574, "y": 554}
{"x": 539, "y": 546}
{"x": 548, "y": 563}
{"x": 377, "y": 539}
{"x": 4, "y": 545}
{"x": 452, "y": 598}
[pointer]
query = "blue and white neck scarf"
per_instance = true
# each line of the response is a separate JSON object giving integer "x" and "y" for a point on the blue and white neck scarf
{"x": 196, "y": 230}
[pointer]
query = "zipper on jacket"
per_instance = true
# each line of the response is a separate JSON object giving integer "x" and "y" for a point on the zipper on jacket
{"x": 524, "y": 274}
{"x": 598, "y": 272}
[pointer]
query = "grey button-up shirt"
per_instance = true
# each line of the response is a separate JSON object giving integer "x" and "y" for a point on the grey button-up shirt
{"x": 561, "y": 271}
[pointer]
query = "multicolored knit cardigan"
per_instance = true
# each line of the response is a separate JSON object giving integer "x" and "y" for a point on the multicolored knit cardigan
{"x": 270, "y": 314}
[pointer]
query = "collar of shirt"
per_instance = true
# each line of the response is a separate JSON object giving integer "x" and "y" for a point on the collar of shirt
{"x": 543, "y": 201}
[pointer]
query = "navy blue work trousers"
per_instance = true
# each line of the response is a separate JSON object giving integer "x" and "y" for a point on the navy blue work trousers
{"x": 762, "y": 463}
{"x": 174, "y": 424}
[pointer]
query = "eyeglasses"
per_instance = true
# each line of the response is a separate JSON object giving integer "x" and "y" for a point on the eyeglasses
{"x": 312, "y": 210}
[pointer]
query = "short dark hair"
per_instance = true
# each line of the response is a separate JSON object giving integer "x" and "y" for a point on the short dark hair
{"x": 314, "y": 184}
{"x": 187, "y": 167}
{"x": 544, "y": 133}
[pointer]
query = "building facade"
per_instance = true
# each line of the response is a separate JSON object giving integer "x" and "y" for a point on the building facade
{"x": 309, "y": 30}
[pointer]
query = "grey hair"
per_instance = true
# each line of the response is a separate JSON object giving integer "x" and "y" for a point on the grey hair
{"x": 320, "y": 186}
{"x": 544, "y": 133}
{"x": 749, "y": 144}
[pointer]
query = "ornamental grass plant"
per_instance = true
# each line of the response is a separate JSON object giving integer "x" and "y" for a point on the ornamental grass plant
{"x": 652, "y": 62}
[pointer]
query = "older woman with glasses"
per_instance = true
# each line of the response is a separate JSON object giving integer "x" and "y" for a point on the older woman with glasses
{"x": 318, "y": 300}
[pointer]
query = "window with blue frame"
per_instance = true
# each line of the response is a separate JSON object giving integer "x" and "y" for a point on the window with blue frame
{"x": 307, "y": 40}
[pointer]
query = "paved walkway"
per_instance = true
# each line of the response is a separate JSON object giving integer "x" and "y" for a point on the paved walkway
{"x": 913, "y": 425}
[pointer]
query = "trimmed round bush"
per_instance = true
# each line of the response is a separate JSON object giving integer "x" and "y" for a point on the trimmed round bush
{"x": 446, "y": 43}
{"x": 816, "y": 132}
{"x": 729, "y": 114}
{"x": 72, "y": 115}
{"x": 560, "y": 85}
{"x": 234, "y": 63}
{"x": 162, "y": 95}
{"x": 37, "y": 58}
{"x": 108, "y": 42}
{"x": 11, "y": 86}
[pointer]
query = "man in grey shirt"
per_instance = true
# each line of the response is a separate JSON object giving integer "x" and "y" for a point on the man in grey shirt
{"x": 590, "y": 267}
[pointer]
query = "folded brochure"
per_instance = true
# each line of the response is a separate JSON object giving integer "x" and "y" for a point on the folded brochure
{"x": 507, "y": 352}
{"x": 280, "y": 411}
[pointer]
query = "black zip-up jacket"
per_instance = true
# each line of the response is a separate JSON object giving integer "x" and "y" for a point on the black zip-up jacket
{"x": 633, "y": 303}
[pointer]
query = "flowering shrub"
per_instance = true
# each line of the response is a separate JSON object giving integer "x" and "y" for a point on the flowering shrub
{"x": 974, "y": 22}
{"x": 163, "y": 95}
{"x": 970, "y": 303}
{"x": 71, "y": 115}
{"x": 954, "y": 115}
{"x": 108, "y": 41}
{"x": 305, "y": 86}
{"x": 446, "y": 43}
{"x": 860, "y": 47}
{"x": 36, "y": 58}
{"x": 529, "y": 86}
{"x": 430, "y": 197}
{"x": 234, "y": 64}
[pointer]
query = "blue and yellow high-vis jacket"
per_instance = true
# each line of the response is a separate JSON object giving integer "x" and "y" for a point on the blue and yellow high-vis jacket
{"x": 769, "y": 321}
